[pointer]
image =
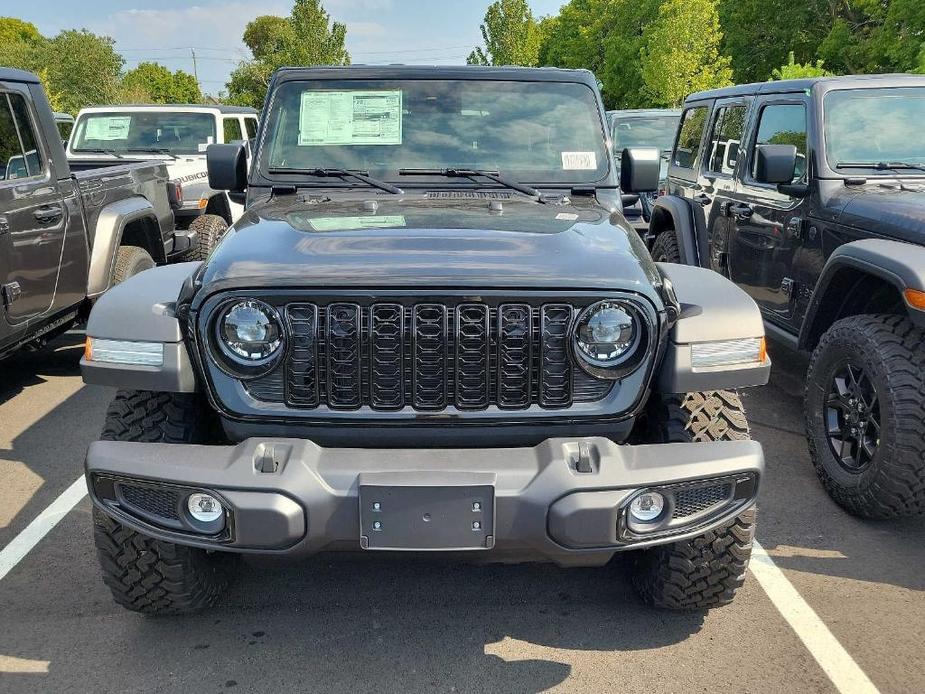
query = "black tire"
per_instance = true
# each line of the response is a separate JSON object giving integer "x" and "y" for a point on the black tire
{"x": 130, "y": 260}
{"x": 885, "y": 356}
{"x": 665, "y": 249}
{"x": 705, "y": 571}
{"x": 147, "y": 575}
{"x": 209, "y": 228}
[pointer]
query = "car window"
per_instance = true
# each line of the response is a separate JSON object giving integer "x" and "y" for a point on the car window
{"x": 31, "y": 164}
{"x": 783, "y": 124}
{"x": 138, "y": 131}
{"x": 250, "y": 125}
{"x": 232, "y": 129}
{"x": 725, "y": 139}
{"x": 11, "y": 158}
{"x": 687, "y": 148}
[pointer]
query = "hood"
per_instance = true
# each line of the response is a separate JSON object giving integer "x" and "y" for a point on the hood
{"x": 431, "y": 241}
{"x": 895, "y": 210}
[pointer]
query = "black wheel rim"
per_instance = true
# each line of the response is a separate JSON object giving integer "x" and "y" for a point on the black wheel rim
{"x": 852, "y": 417}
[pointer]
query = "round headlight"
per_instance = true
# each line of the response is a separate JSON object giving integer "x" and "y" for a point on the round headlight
{"x": 607, "y": 334}
{"x": 250, "y": 332}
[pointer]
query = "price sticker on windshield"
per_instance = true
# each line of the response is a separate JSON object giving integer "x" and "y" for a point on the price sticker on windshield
{"x": 350, "y": 118}
{"x": 579, "y": 161}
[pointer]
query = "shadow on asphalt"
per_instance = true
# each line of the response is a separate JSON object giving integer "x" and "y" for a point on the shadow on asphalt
{"x": 799, "y": 525}
{"x": 27, "y": 368}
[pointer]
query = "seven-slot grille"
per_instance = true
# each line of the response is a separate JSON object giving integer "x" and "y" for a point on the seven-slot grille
{"x": 428, "y": 356}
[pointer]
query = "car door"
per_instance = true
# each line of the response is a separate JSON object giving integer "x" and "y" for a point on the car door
{"x": 32, "y": 212}
{"x": 766, "y": 223}
{"x": 717, "y": 176}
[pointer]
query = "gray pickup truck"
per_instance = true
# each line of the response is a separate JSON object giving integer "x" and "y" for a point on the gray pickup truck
{"x": 68, "y": 230}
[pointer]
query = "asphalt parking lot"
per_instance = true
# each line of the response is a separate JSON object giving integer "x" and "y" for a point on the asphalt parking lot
{"x": 363, "y": 623}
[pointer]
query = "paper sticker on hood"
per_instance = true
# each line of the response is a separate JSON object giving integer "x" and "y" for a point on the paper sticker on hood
{"x": 348, "y": 223}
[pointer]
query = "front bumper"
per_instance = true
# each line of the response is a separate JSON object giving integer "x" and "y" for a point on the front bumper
{"x": 564, "y": 500}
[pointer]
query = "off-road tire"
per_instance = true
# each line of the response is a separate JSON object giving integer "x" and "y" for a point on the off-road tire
{"x": 209, "y": 228}
{"x": 147, "y": 575}
{"x": 889, "y": 349}
{"x": 665, "y": 249}
{"x": 705, "y": 571}
{"x": 130, "y": 260}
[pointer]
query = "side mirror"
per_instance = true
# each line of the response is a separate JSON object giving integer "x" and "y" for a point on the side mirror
{"x": 227, "y": 167}
{"x": 640, "y": 169}
{"x": 775, "y": 163}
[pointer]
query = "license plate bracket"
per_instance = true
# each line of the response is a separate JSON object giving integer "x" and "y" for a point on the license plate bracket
{"x": 423, "y": 517}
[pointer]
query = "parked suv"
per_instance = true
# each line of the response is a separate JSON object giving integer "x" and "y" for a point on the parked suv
{"x": 432, "y": 330}
{"x": 68, "y": 230}
{"x": 178, "y": 135}
{"x": 810, "y": 195}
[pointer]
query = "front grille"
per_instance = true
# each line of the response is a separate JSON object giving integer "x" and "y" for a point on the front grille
{"x": 428, "y": 356}
{"x": 692, "y": 501}
{"x": 162, "y": 503}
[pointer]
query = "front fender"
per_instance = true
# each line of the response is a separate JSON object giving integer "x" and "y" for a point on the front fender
{"x": 671, "y": 212}
{"x": 137, "y": 317}
{"x": 896, "y": 262}
{"x": 107, "y": 236}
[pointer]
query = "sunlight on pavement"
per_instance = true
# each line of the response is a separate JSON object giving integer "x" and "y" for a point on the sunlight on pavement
{"x": 19, "y": 486}
{"x": 22, "y": 666}
{"x": 786, "y": 551}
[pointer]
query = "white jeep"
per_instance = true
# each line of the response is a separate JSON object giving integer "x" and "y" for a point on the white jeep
{"x": 179, "y": 135}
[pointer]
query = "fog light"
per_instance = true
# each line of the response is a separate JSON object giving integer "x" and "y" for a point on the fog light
{"x": 646, "y": 507}
{"x": 204, "y": 507}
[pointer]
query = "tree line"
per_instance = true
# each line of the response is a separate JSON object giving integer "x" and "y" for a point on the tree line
{"x": 654, "y": 52}
{"x": 646, "y": 53}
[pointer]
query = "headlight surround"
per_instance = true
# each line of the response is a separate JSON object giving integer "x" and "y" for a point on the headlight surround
{"x": 250, "y": 336}
{"x": 608, "y": 338}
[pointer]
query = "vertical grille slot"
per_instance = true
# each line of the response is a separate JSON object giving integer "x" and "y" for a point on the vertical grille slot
{"x": 472, "y": 356}
{"x": 555, "y": 366}
{"x": 515, "y": 332}
{"x": 343, "y": 356}
{"x": 302, "y": 365}
{"x": 386, "y": 341}
{"x": 429, "y": 333}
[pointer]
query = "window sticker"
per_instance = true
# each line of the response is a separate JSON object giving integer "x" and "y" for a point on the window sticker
{"x": 108, "y": 128}
{"x": 579, "y": 161}
{"x": 351, "y": 223}
{"x": 350, "y": 118}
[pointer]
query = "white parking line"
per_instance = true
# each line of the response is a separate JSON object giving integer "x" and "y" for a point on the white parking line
{"x": 23, "y": 543}
{"x": 846, "y": 675}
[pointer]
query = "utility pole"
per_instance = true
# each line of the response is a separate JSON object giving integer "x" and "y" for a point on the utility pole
{"x": 195, "y": 71}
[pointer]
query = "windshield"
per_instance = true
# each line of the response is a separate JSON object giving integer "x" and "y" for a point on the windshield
{"x": 644, "y": 131}
{"x": 534, "y": 132}
{"x": 875, "y": 126}
{"x": 140, "y": 131}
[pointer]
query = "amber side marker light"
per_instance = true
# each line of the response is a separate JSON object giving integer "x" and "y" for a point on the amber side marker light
{"x": 88, "y": 349}
{"x": 763, "y": 350}
{"x": 915, "y": 298}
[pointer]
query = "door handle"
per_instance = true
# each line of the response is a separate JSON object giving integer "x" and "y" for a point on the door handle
{"x": 740, "y": 211}
{"x": 48, "y": 213}
{"x": 703, "y": 199}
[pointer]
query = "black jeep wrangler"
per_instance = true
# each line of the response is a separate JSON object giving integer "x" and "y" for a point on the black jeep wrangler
{"x": 432, "y": 330}
{"x": 810, "y": 195}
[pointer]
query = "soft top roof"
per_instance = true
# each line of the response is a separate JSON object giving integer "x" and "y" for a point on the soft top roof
{"x": 811, "y": 83}
{"x": 9, "y": 74}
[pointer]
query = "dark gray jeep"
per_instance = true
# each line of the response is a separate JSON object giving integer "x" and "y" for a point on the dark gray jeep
{"x": 810, "y": 195}
{"x": 432, "y": 330}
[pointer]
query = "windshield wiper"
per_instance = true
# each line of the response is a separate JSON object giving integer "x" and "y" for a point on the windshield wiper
{"x": 880, "y": 165}
{"x": 110, "y": 152}
{"x": 154, "y": 150}
{"x": 495, "y": 176}
{"x": 342, "y": 173}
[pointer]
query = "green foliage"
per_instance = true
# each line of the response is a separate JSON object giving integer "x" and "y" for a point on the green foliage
{"x": 511, "y": 35}
{"x": 161, "y": 85}
{"x": 793, "y": 70}
{"x": 84, "y": 68}
{"x": 306, "y": 37}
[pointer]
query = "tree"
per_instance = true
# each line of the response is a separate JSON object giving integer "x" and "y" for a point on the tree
{"x": 511, "y": 35}
{"x": 793, "y": 70}
{"x": 84, "y": 68}
{"x": 21, "y": 44}
{"x": 680, "y": 52}
{"x": 161, "y": 85}
{"x": 307, "y": 36}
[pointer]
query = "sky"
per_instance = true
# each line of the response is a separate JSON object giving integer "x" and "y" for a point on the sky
{"x": 378, "y": 31}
